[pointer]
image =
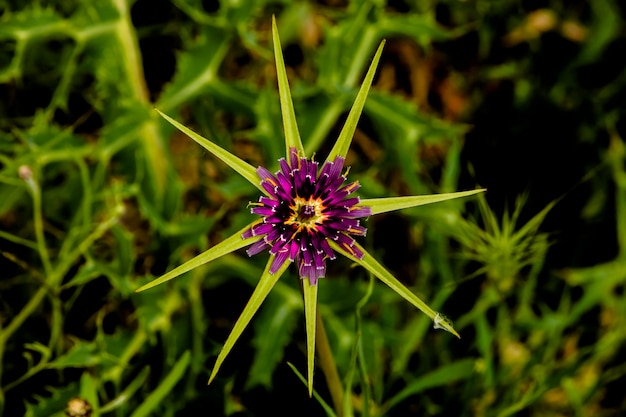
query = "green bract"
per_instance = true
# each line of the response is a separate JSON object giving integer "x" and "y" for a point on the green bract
{"x": 354, "y": 251}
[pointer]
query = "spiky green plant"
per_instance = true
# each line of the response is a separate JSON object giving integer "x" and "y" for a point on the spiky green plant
{"x": 306, "y": 216}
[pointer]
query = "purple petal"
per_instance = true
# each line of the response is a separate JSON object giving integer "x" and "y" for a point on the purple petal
{"x": 336, "y": 168}
{"x": 312, "y": 272}
{"x": 264, "y": 174}
{"x": 327, "y": 249}
{"x": 270, "y": 237}
{"x": 358, "y": 253}
{"x": 262, "y": 229}
{"x": 358, "y": 230}
{"x": 284, "y": 167}
{"x": 293, "y": 158}
{"x": 336, "y": 212}
{"x": 349, "y": 202}
{"x": 262, "y": 210}
{"x": 278, "y": 261}
{"x": 269, "y": 187}
{"x": 360, "y": 211}
{"x": 284, "y": 181}
{"x": 257, "y": 247}
{"x": 343, "y": 239}
{"x": 272, "y": 202}
{"x": 305, "y": 254}
{"x": 294, "y": 250}
{"x": 247, "y": 233}
{"x": 279, "y": 244}
{"x": 312, "y": 170}
{"x": 273, "y": 219}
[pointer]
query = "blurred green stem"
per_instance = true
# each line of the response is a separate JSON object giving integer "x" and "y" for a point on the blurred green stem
{"x": 617, "y": 158}
{"x": 131, "y": 57}
{"x": 197, "y": 318}
{"x": 42, "y": 248}
{"x": 149, "y": 133}
{"x": 329, "y": 368}
{"x": 339, "y": 104}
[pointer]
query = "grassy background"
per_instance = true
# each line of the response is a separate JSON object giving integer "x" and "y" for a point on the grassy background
{"x": 98, "y": 196}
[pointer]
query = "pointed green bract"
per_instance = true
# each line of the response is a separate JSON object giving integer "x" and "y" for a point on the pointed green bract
{"x": 310, "y": 306}
{"x": 228, "y": 245}
{"x": 263, "y": 288}
{"x": 372, "y": 265}
{"x": 292, "y": 136}
{"x": 345, "y": 137}
{"x": 383, "y": 205}
{"x": 239, "y": 165}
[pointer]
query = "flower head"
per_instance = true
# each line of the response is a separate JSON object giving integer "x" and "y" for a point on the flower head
{"x": 305, "y": 208}
{"x": 307, "y": 216}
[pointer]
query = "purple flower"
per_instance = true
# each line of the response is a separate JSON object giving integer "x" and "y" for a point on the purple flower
{"x": 306, "y": 206}
{"x": 307, "y": 215}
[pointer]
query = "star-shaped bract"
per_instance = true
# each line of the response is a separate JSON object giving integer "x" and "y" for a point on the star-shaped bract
{"x": 307, "y": 215}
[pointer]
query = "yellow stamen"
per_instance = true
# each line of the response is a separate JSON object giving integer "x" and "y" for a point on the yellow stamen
{"x": 306, "y": 221}
{"x": 352, "y": 186}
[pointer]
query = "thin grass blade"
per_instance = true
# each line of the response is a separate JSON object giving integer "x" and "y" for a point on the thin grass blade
{"x": 263, "y": 288}
{"x": 128, "y": 392}
{"x": 292, "y": 135}
{"x": 347, "y": 132}
{"x": 327, "y": 408}
{"x": 226, "y": 246}
{"x": 239, "y": 165}
{"x": 384, "y": 205}
{"x": 533, "y": 224}
{"x": 153, "y": 401}
{"x": 372, "y": 265}
{"x": 444, "y": 375}
{"x": 310, "y": 306}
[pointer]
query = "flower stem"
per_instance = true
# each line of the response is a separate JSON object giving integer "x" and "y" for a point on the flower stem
{"x": 329, "y": 368}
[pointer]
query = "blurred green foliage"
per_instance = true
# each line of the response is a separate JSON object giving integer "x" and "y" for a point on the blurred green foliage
{"x": 98, "y": 196}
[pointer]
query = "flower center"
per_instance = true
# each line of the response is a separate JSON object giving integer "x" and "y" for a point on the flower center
{"x": 306, "y": 212}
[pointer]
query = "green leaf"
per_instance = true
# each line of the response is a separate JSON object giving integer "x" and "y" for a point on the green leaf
{"x": 605, "y": 27}
{"x": 441, "y": 376}
{"x": 32, "y": 22}
{"x": 80, "y": 355}
{"x": 52, "y": 403}
{"x": 273, "y": 329}
{"x": 383, "y": 205}
{"x": 228, "y": 245}
{"x": 401, "y": 124}
{"x": 345, "y": 137}
{"x": 292, "y": 136}
{"x": 240, "y": 166}
{"x": 197, "y": 68}
{"x": 153, "y": 401}
{"x": 265, "y": 285}
{"x": 372, "y": 265}
{"x": 343, "y": 52}
{"x": 87, "y": 272}
{"x": 89, "y": 391}
{"x": 310, "y": 305}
